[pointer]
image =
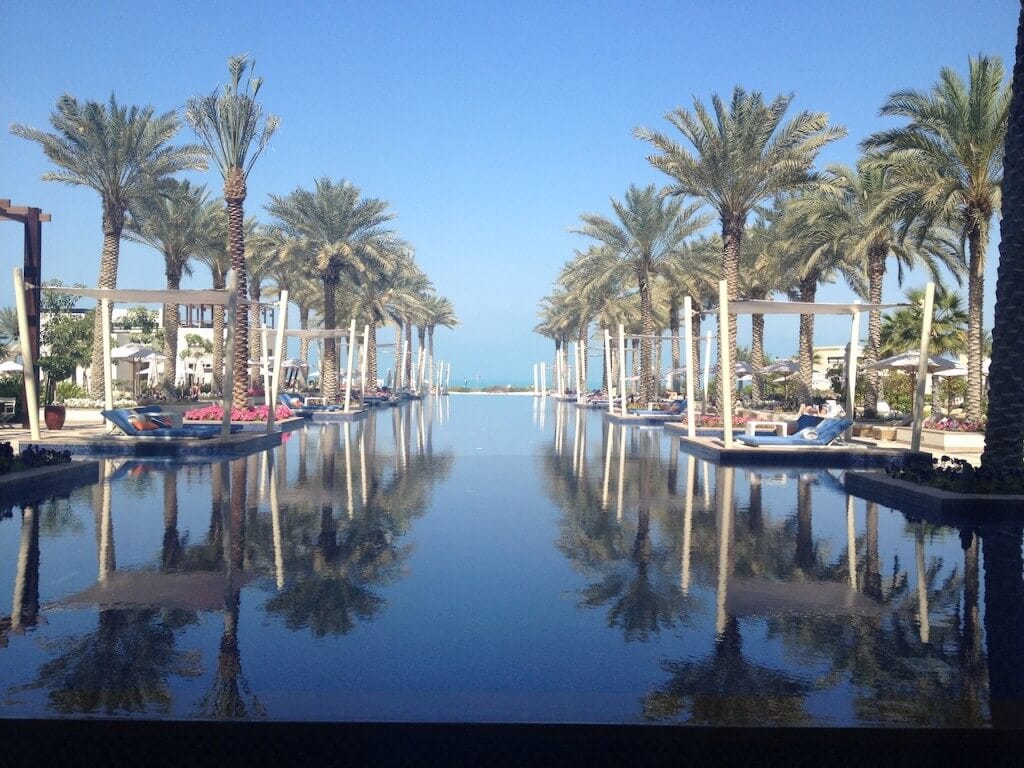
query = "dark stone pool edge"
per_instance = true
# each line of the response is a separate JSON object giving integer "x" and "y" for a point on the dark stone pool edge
{"x": 45, "y": 482}
{"x": 936, "y": 505}
{"x": 86, "y": 742}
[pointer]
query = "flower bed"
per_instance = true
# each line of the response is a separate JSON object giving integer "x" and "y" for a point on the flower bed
{"x": 30, "y": 458}
{"x": 256, "y": 413}
{"x": 947, "y": 424}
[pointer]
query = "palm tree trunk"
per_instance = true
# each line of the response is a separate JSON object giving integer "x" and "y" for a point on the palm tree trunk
{"x": 808, "y": 291}
{"x": 430, "y": 355}
{"x": 218, "y": 339}
{"x": 647, "y": 332}
{"x": 694, "y": 367}
{"x": 756, "y": 356}
{"x": 304, "y": 343}
{"x": 255, "y": 334}
{"x": 581, "y": 351}
{"x": 112, "y": 226}
{"x": 673, "y": 330}
{"x": 172, "y": 543}
{"x": 234, "y": 197}
{"x": 371, "y": 356}
{"x": 1004, "y": 616}
{"x": 872, "y": 564}
{"x": 876, "y": 274}
{"x": 171, "y": 330}
{"x": 421, "y": 333}
{"x": 732, "y": 237}
{"x": 975, "y": 331}
{"x": 804, "y": 557}
{"x": 329, "y": 365}
{"x": 1004, "y": 448}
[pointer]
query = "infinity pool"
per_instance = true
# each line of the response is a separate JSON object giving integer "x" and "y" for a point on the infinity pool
{"x": 499, "y": 559}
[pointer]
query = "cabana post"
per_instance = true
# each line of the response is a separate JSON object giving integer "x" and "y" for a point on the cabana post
{"x": 28, "y": 364}
{"x": 688, "y": 340}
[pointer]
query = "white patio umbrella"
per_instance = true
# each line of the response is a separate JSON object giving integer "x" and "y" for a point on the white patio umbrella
{"x": 908, "y": 361}
{"x": 9, "y": 366}
{"x": 135, "y": 353}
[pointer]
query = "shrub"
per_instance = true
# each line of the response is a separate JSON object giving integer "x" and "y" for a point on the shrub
{"x": 30, "y": 458}
{"x": 950, "y": 474}
{"x": 68, "y": 389}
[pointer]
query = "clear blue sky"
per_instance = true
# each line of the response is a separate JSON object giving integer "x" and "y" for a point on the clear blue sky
{"x": 489, "y": 126}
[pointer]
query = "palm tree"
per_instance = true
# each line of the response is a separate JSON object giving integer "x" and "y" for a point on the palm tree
{"x": 1004, "y": 449}
{"x": 901, "y": 329}
{"x": 742, "y": 157}
{"x": 438, "y": 311}
{"x": 229, "y": 123}
{"x": 648, "y": 232}
{"x": 846, "y": 209}
{"x": 946, "y": 167}
{"x": 181, "y": 225}
{"x": 124, "y": 154}
{"x": 343, "y": 235}
{"x": 764, "y": 271}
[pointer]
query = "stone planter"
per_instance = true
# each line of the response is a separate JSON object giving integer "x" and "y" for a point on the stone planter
{"x": 884, "y": 433}
{"x": 862, "y": 430}
{"x": 941, "y": 440}
{"x": 54, "y": 416}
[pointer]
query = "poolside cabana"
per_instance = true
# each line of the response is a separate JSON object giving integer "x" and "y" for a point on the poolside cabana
{"x": 108, "y": 296}
{"x": 351, "y": 340}
{"x": 854, "y": 310}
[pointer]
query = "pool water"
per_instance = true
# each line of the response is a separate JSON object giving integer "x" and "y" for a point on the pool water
{"x": 501, "y": 559}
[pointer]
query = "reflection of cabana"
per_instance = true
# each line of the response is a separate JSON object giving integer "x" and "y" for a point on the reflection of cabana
{"x": 725, "y": 308}
{"x": 108, "y": 296}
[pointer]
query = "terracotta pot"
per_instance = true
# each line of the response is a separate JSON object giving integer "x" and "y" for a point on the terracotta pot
{"x": 54, "y": 416}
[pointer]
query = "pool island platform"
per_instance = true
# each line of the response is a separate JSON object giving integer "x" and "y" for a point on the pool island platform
{"x": 851, "y": 455}
{"x": 93, "y": 440}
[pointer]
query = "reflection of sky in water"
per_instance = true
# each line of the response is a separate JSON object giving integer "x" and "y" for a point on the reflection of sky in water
{"x": 487, "y": 571}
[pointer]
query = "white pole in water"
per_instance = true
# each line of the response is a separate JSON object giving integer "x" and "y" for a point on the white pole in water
{"x": 725, "y": 371}
{"x": 31, "y": 384}
{"x": 851, "y": 371}
{"x": 351, "y": 350}
{"x": 228, "y": 401}
{"x": 544, "y": 380}
{"x": 448, "y": 378}
{"x": 922, "y": 366}
{"x": 608, "y": 369}
{"x": 535, "y": 380}
{"x": 622, "y": 367}
{"x": 279, "y": 350}
{"x": 691, "y": 427}
{"x": 707, "y": 366}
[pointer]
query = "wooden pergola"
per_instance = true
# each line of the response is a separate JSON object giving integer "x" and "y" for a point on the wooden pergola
{"x": 32, "y": 219}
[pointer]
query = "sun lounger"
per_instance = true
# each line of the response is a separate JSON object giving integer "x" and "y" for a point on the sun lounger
{"x": 297, "y": 402}
{"x": 122, "y": 419}
{"x": 821, "y": 434}
{"x": 676, "y": 408}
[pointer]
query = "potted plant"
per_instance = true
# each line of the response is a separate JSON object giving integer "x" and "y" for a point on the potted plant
{"x": 68, "y": 339}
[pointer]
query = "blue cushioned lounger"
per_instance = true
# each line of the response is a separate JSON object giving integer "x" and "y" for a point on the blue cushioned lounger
{"x": 121, "y": 417}
{"x": 822, "y": 433}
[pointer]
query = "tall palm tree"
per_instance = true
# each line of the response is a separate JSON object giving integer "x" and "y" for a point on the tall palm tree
{"x": 438, "y": 312}
{"x": 742, "y": 157}
{"x": 846, "y": 209}
{"x": 1004, "y": 449}
{"x": 124, "y": 154}
{"x": 232, "y": 126}
{"x": 181, "y": 226}
{"x": 946, "y": 167}
{"x": 764, "y": 271}
{"x": 344, "y": 235}
{"x": 648, "y": 231}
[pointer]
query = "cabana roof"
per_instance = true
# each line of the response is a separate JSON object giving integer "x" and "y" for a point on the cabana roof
{"x": 756, "y": 307}
{"x": 141, "y": 296}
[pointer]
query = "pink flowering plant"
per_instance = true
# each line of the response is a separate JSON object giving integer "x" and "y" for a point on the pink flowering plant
{"x": 256, "y": 413}
{"x": 947, "y": 424}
